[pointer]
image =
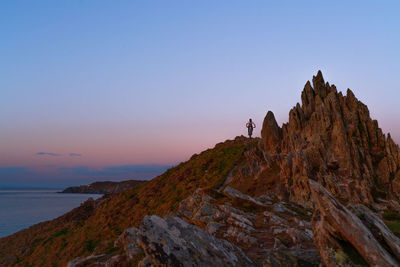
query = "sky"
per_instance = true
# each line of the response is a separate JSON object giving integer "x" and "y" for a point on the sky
{"x": 113, "y": 90}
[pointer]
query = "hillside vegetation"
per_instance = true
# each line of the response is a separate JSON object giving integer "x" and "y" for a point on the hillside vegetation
{"x": 94, "y": 226}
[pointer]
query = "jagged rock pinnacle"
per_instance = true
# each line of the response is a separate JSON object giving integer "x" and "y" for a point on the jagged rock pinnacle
{"x": 320, "y": 87}
{"x": 332, "y": 139}
{"x": 271, "y": 133}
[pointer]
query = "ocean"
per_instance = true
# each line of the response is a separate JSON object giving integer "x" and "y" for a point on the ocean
{"x": 20, "y": 209}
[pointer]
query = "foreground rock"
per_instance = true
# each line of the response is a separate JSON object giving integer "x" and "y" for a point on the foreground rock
{"x": 378, "y": 228}
{"x": 173, "y": 242}
{"x": 269, "y": 232}
{"x": 83, "y": 261}
{"x": 103, "y": 187}
{"x": 169, "y": 242}
{"x": 342, "y": 238}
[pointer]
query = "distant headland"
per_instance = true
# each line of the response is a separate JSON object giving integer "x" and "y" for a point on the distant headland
{"x": 106, "y": 187}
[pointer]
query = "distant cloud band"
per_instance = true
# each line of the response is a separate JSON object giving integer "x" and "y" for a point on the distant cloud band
{"x": 47, "y": 154}
{"x": 57, "y": 155}
{"x": 52, "y": 176}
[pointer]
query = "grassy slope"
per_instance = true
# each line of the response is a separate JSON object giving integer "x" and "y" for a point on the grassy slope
{"x": 91, "y": 229}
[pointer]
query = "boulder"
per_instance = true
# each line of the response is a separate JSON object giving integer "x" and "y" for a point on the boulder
{"x": 341, "y": 237}
{"x": 173, "y": 242}
{"x": 378, "y": 228}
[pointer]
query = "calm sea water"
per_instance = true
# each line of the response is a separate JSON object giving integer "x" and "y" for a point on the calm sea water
{"x": 20, "y": 209}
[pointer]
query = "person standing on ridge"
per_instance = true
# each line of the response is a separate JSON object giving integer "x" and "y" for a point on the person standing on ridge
{"x": 250, "y": 126}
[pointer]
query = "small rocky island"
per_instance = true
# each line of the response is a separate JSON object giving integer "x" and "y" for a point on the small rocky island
{"x": 106, "y": 187}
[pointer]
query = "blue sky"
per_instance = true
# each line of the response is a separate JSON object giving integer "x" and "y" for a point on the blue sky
{"x": 152, "y": 82}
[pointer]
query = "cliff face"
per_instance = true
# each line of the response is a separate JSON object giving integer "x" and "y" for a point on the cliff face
{"x": 322, "y": 189}
{"x": 103, "y": 187}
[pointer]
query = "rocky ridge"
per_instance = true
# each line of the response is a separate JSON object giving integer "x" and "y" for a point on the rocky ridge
{"x": 330, "y": 154}
{"x": 322, "y": 190}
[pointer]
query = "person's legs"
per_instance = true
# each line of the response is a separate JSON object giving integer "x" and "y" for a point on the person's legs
{"x": 250, "y": 131}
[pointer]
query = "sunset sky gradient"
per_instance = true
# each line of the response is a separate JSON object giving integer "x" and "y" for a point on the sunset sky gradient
{"x": 113, "y": 90}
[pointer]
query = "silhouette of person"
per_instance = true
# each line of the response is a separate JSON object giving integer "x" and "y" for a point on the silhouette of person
{"x": 250, "y": 126}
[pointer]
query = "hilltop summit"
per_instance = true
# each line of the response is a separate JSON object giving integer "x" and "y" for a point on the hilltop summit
{"x": 330, "y": 138}
{"x": 322, "y": 188}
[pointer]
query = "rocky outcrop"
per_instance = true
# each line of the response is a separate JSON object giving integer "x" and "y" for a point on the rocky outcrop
{"x": 173, "y": 242}
{"x": 379, "y": 230}
{"x": 331, "y": 138}
{"x": 267, "y": 231}
{"x": 169, "y": 241}
{"x": 343, "y": 239}
{"x": 103, "y": 187}
{"x": 329, "y": 159}
{"x": 271, "y": 133}
{"x": 83, "y": 261}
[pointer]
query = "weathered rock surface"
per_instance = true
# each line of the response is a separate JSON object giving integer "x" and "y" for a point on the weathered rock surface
{"x": 169, "y": 242}
{"x": 331, "y": 138}
{"x": 378, "y": 228}
{"x": 237, "y": 194}
{"x": 271, "y": 133}
{"x": 173, "y": 242}
{"x": 342, "y": 238}
{"x": 83, "y": 261}
{"x": 129, "y": 241}
{"x": 267, "y": 232}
